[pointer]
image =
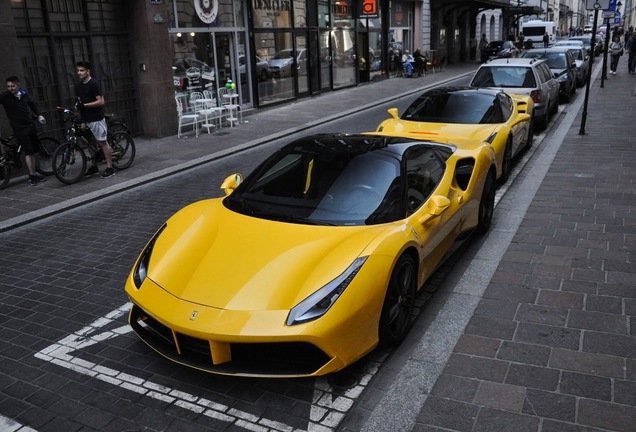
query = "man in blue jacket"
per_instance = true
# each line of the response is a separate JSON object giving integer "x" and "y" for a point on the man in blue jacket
{"x": 21, "y": 111}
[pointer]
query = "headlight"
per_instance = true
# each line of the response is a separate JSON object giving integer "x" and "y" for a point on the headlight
{"x": 317, "y": 304}
{"x": 141, "y": 269}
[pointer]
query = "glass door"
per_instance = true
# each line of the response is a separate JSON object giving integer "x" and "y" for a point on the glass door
{"x": 226, "y": 57}
{"x": 302, "y": 65}
{"x": 344, "y": 66}
{"x": 325, "y": 60}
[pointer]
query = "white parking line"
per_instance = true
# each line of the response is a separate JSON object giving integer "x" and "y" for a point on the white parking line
{"x": 326, "y": 413}
{"x": 8, "y": 425}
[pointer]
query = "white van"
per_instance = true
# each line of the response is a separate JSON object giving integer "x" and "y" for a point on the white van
{"x": 534, "y": 30}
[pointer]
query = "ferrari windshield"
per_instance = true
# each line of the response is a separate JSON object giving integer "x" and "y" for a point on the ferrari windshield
{"x": 323, "y": 185}
{"x": 468, "y": 107}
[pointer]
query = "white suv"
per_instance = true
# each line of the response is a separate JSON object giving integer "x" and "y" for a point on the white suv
{"x": 525, "y": 76}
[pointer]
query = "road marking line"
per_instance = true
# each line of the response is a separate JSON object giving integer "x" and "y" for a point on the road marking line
{"x": 326, "y": 412}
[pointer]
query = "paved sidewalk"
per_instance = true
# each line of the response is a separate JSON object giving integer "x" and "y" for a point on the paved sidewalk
{"x": 539, "y": 331}
{"x": 21, "y": 203}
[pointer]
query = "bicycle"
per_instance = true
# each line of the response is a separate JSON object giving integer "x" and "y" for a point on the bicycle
{"x": 10, "y": 152}
{"x": 69, "y": 160}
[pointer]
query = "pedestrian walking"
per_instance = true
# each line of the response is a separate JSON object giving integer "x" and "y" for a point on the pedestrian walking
{"x": 546, "y": 40}
{"x": 90, "y": 103}
{"x": 630, "y": 47}
{"x": 615, "y": 50}
{"x": 21, "y": 111}
{"x": 483, "y": 42}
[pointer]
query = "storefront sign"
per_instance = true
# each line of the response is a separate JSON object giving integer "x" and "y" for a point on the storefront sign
{"x": 369, "y": 9}
{"x": 272, "y": 5}
{"x": 341, "y": 10}
{"x": 207, "y": 10}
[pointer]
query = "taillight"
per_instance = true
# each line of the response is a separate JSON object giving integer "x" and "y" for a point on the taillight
{"x": 536, "y": 95}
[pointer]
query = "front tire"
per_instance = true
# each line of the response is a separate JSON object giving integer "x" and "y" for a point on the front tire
{"x": 487, "y": 204}
{"x": 5, "y": 171}
{"x": 69, "y": 163}
{"x": 399, "y": 302}
{"x": 543, "y": 122}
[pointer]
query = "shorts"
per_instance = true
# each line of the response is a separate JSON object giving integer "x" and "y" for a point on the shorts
{"x": 98, "y": 129}
{"x": 28, "y": 139}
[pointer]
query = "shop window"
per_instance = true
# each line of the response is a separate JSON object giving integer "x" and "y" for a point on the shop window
{"x": 282, "y": 62}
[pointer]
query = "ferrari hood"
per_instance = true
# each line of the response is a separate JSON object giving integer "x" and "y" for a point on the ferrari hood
{"x": 213, "y": 256}
{"x": 424, "y": 130}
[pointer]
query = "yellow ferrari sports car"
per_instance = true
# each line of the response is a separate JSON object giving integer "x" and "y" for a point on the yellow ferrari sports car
{"x": 462, "y": 113}
{"x": 312, "y": 260}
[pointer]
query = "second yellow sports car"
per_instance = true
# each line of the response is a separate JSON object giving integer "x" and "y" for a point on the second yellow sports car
{"x": 456, "y": 114}
{"x": 313, "y": 259}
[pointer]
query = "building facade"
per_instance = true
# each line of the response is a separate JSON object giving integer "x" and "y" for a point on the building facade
{"x": 145, "y": 52}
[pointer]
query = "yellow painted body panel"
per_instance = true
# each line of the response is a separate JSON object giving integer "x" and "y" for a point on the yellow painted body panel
{"x": 225, "y": 277}
{"x": 517, "y": 128}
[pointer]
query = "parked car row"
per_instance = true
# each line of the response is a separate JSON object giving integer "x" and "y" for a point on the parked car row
{"x": 548, "y": 75}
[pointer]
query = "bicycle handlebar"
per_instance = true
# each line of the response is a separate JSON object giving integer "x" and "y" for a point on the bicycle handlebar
{"x": 65, "y": 110}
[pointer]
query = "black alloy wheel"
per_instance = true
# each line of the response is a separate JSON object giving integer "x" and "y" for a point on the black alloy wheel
{"x": 487, "y": 204}
{"x": 399, "y": 302}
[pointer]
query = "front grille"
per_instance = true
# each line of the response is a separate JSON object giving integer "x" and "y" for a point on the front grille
{"x": 261, "y": 359}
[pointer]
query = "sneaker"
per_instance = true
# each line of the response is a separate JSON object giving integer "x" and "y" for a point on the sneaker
{"x": 33, "y": 180}
{"x": 91, "y": 171}
{"x": 40, "y": 178}
{"x": 108, "y": 172}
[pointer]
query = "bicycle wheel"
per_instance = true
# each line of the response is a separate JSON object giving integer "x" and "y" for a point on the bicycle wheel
{"x": 115, "y": 126}
{"x": 47, "y": 149}
{"x": 69, "y": 163}
{"x": 123, "y": 148}
{"x": 5, "y": 170}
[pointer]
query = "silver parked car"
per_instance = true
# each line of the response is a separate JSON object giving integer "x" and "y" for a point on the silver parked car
{"x": 525, "y": 76}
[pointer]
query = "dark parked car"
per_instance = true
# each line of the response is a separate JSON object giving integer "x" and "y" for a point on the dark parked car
{"x": 499, "y": 49}
{"x": 491, "y": 50}
{"x": 562, "y": 65}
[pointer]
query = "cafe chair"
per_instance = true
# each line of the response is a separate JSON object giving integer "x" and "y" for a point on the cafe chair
{"x": 213, "y": 115}
{"x": 229, "y": 101}
{"x": 186, "y": 118}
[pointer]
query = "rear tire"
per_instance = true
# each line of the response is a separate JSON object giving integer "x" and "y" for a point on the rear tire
{"x": 506, "y": 163}
{"x": 45, "y": 159}
{"x": 399, "y": 302}
{"x": 69, "y": 163}
{"x": 487, "y": 204}
{"x": 115, "y": 126}
{"x": 530, "y": 135}
{"x": 123, "y": 149}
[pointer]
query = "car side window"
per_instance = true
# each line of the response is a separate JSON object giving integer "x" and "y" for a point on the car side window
{"x": 544, "y": 72}
{"x": 506, "y": 106}
{"x": 424, "y": 171}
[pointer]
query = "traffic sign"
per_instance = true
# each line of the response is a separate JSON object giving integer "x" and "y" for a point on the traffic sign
{"x": 595, "y": 5}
